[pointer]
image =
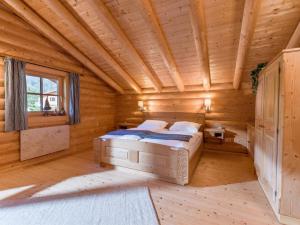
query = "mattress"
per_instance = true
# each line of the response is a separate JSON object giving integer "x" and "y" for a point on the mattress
{"x": 191, "y": 146}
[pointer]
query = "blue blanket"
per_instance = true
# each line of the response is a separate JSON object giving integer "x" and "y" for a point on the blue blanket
{"x": 152, "y": 135}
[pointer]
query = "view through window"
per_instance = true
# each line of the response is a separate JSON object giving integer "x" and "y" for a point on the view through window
{"x": 40, "y": 88}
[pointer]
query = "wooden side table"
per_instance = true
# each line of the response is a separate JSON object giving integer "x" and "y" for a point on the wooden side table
{"x": 214, "y": 135}
{"x": 126, "y": 125}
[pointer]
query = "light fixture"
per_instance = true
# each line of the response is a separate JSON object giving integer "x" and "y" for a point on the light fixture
{"x": 207, "y": 104}
{"x": 141, "y": 106}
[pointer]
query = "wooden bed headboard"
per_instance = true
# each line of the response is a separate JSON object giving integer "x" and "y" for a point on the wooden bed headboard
{"x": 172, "y": 117}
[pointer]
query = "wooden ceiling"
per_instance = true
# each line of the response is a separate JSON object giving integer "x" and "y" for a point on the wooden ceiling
{"x": 167, "y": 45}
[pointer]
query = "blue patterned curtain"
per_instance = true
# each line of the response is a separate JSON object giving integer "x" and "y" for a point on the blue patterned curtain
{"x": 15, "y": 95}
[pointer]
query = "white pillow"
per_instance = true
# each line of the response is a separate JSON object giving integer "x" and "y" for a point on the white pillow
{"x": 152, "y": 125}
{"x": 185, "y": 126}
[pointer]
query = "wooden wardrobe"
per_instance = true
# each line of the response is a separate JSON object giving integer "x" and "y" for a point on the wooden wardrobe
{"x": 277, "y": 135}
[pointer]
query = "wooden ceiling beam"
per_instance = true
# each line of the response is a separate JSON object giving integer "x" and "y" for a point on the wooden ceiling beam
{"x": 248, "y": 24}
{"x": 200, "y": 37}
{"x": 111, "y": 23}
{"x": 295, "y": 39}
{"x": 59, "y": 9}
{"x": 37, "y": 22}
{"x": 196, "y": 88}
{"x": 151, "y": 19}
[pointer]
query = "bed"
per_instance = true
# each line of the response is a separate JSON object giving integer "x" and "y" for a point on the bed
{"x": 172, "y": 161}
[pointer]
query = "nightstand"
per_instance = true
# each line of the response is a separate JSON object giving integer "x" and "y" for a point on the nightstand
{"x": 214, "y": 135}
{"x": 126, "y": 125}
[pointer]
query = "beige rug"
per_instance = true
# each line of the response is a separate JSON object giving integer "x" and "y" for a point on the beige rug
{"x": 132, "y": 206}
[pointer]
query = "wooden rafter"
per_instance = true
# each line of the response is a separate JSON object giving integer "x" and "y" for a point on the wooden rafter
{"x": 295, "y": 39}
{"x": 37, "y": 22}
{"x": 60, "y": 10}
{"x": 151, "y": 19}
{"x": 194, "y": 88}
{"x": 111, "y": 23}
{"x": 248, "y": 24}
{"x": 200, "y": 37}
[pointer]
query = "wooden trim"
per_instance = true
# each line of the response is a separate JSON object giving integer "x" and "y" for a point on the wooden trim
{"x": 35, "y": 69}
{"x": 200, "y": 37}
{"x": 278, "y": 55}
{"x": 37, "y": 22}
{"x": 37, "y": 58}
{"x": 85, "y": 36}
{"x": 110, "y": 22}
{"x": 251, "y": 9}
{"x": 290, "y": 50}
{"x": 295, "y": 39}
{"x": 44, "y": 72}
{"x": 37, "y": 120}
{"x": 153, "y": 23}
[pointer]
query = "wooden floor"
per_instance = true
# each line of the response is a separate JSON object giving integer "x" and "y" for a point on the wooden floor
{"x": 224, "y": 189}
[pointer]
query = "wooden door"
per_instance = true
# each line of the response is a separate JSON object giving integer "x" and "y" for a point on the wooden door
{"x": 270, "y": 123}
{"x": 258, "y": 146}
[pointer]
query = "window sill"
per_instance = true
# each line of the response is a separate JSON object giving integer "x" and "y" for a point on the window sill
{"x": 36, "y": 120}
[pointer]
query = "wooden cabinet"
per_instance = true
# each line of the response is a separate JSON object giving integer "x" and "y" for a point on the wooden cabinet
{"x": 277, "y": 130}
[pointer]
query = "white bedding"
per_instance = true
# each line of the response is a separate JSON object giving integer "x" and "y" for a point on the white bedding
{"x": 192, "y": 145}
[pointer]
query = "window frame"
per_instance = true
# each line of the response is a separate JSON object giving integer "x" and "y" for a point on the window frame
{"x": 61, "y": 90}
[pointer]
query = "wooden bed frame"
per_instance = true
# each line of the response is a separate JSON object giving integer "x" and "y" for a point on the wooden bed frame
{"x": 167, "y": 163}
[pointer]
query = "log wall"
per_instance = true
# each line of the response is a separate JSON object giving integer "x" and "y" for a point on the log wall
{"x": 232, "y": 109}
{"x": 97, "y": 103}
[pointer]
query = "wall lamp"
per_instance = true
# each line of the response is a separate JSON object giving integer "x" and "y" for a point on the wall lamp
{"x": 141, "y": 106}
{"x": 207, "y": 104}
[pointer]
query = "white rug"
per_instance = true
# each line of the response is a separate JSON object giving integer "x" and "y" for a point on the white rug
{"x": 132, "y": 206}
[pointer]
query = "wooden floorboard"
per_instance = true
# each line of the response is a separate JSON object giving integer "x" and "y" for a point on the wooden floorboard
{"x": 224, "y": 189}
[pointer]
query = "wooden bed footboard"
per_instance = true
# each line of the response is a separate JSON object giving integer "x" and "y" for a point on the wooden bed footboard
{"x": 166, "y": 163}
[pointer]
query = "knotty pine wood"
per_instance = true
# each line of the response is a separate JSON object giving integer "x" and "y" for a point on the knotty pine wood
{"x": 277, "y": 138}
{"x": 231, "y": 108}
{"x": 250, "y": 12}
{"x": 276, "y": 22}
{"x": 52, "y": 34}
{"x": 97, "y": 99}
{"x": 20, "y": 40}
{"x": 290, "y": 158}
{"x": 97, "y": 105}
{"x": 224, "y": 189}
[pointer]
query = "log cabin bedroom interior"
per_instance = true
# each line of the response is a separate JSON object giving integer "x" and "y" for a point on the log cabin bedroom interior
{"x": 148, "y": 112}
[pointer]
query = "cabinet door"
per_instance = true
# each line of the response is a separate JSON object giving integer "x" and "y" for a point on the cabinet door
{"x": 259, "y": 106}
{"x": 270, "y": 123}
{"x": 258, "y": 152}
{"x": 258, "y": 146}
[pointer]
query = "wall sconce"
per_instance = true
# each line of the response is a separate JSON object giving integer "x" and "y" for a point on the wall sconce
{"x": 141, "y": 106}
{"x": 207, "y": 104}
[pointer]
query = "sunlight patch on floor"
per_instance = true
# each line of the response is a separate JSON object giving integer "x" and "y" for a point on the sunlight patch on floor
{"x": 4, "y": 194}
{"x": 83, "y": 183}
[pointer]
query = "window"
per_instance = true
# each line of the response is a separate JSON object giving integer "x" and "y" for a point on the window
{"x": 40, "y": 88}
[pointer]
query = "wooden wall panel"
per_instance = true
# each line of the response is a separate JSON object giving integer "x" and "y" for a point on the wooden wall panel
{"x": 290, "y": 178}
{"x": 19, "y": 40}
{"x": 232, "y": 109}
{"x": 97, "y": 99}
{"x": 97, "y": 117}
{"x": 276, "y": 22}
